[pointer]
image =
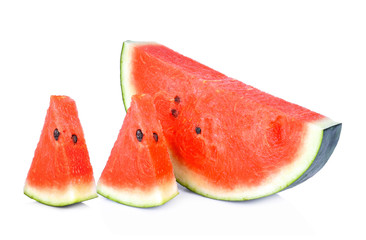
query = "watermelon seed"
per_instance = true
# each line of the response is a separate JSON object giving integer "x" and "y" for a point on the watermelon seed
{"x": 198, "y": 130}
{"x": 155, "y": 136}
{"x": 174, "y": 113}
{"x": 74, "y": 138}
{"x": 56, "y": 134}
{"x": 139, "y": 135}
{"x": 177, "y": 99}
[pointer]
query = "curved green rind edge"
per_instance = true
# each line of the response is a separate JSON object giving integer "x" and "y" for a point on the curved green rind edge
{"x": 195, "y": 190}
{"x": 136, "y": 205}
{"x": 59, "y": 204}
{"x": 329, "y": 142}
{"x": 121, "y": 78}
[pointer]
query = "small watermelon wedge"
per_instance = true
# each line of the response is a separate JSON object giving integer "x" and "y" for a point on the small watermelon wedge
{"x": 227, "y": 140}
{"x": 61, "y": 173}
{"x": 139, "y": 172}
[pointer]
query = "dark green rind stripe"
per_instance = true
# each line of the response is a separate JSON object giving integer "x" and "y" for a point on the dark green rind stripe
{"x": 329, "y": 142}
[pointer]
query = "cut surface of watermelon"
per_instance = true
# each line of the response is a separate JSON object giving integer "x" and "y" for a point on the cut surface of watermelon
{"x": 139, "y": 172}
{"x": 61, "y": 173}
{"x": 227, "y": 140}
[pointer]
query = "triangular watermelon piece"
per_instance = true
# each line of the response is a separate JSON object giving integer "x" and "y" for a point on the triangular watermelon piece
{"x": 139, "y": 172}
{"x": 227, "y": 140}
{"x": 61, "y": 173}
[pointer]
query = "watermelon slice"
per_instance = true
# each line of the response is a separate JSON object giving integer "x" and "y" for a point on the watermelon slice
{"x": 61, "y": 173}
{"x": 139, "y": 172}
{"x": 227, "y": 140}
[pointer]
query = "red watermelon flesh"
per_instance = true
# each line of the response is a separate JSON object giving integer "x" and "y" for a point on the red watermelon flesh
{"x": 61, "y": 173}
{"x": 139, "y": 172}
{"x": 227, "y": 140}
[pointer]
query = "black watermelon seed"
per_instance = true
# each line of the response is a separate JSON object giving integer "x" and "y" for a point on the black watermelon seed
{"x": 56, "y": 134}
{"x": 198, "y": 130}
{"x": 177, "y": 99}
{"x": 155, "y": 136}
{"x": 139, "y": 135}
{"x": 174, "y": 113}
{"x": 74, "y": 138}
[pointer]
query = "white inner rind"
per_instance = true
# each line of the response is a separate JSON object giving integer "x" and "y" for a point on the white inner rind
{"x": 56, "y": 197}
{"x": 127, "y": 88}
{"x": 155, "y": 196}
{"x": 274, "y": 183}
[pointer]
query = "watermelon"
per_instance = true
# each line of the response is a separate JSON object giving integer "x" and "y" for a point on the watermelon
{"x": 227, "y": 140}
{"x": 61, "y": 173}
{"x": 139, "y": 172}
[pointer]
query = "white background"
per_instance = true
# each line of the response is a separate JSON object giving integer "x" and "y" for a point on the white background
{"x": 312, "y": 53}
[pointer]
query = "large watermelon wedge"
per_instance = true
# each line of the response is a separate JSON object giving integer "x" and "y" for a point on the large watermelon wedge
{"x": 139, "y": 172}
{"x": 61, "y": 173}
{"x": 227, "y": 140}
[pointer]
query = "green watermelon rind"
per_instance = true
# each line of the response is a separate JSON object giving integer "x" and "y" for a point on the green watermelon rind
{"x": 136, "y": 205}
{"x": 330, "y": 138}
{"x": 121, "y": 78}
{"x": 131, "y": 204}
{"x": 58, "y": 204}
